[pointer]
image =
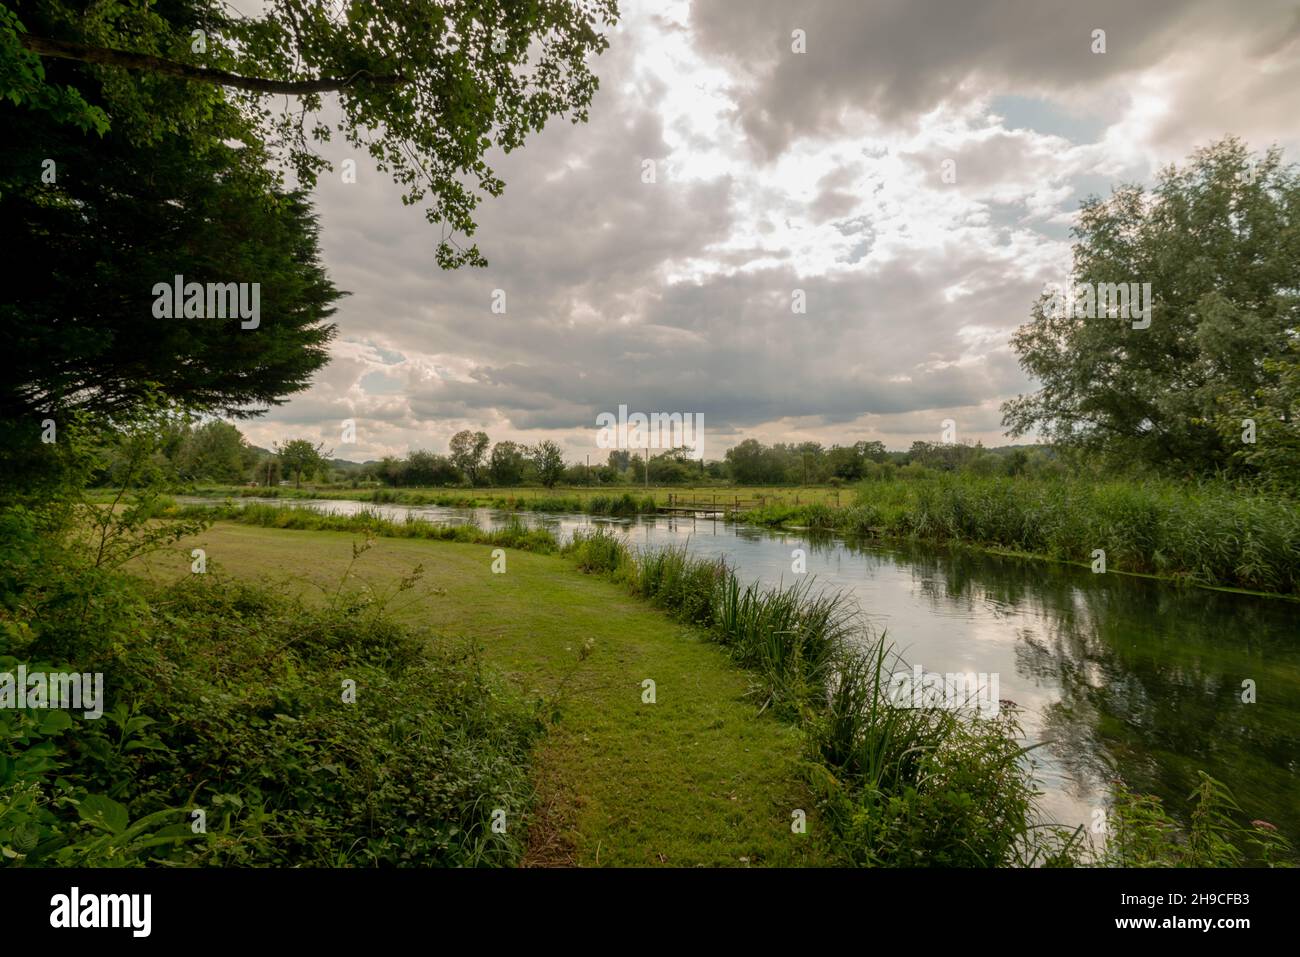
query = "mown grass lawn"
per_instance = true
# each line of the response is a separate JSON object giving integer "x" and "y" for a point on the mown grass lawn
{"x": 697, "y": 778}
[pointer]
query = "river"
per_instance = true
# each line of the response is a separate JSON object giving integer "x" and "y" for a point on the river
{"x": 1121, "y": 676}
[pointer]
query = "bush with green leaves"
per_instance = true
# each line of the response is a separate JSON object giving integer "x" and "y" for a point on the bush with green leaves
{"x": 1141, "y": 833}
{"x": 230, "y": 699}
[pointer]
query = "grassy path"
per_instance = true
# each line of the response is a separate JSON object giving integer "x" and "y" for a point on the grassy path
{"x": 697, "y": 778}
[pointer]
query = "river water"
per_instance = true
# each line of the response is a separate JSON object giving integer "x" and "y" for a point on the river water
{"x": 1121, "y": 676}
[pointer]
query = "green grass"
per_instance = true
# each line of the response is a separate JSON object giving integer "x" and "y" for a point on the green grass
{"x": 596, "y": 499}
{"x": 514, "y": 534}
{"x": 1204, "y": 533}
{"x": 698, "y": 778}
{"x": 1207, "y": 534}
{"x": 229, "y": 698}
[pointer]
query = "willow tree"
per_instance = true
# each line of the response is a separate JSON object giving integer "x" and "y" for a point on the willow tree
{"x": 1218, "y": 239}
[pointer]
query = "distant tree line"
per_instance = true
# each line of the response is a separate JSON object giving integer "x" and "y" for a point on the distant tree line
{"x": 214, "y": 451}
{"x": 811, "y": 463}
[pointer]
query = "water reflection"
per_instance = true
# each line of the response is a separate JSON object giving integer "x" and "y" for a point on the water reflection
{"x": 1123, "y": 676}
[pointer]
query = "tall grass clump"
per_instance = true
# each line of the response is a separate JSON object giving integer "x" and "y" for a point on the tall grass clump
{"x": 925, "y": 786}
{"x": 789, "y": 635}
{"x": 682, "y": 584}
{"x": 623, "y": 506}
{"x": 1142, "y": 834}
{"x": 599, "y": 551}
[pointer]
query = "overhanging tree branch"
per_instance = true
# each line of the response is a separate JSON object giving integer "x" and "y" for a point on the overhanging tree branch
{"x": 102, "y": 56}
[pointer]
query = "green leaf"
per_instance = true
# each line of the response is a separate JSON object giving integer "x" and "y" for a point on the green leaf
{"x": 55, "y": 721}
{"x": 104, "y": 812}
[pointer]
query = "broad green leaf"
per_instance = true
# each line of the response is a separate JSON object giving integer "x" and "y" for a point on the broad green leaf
{"x": 104, "y": 812}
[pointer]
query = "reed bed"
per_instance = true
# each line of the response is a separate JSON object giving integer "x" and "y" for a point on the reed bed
{"x": 1211, "y": 533}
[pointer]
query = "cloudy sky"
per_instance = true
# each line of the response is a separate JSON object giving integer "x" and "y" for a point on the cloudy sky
{"x": 778, "y": 171}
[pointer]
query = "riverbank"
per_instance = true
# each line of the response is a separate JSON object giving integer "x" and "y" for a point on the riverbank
{"x": 698, "y": 778}
{"x": 1208, "y": 534}
{"x": 707, "y": 737}
{"x": 854, "y": 782}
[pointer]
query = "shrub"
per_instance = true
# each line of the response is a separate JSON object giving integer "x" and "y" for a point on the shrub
{"x": 228, "y": 698}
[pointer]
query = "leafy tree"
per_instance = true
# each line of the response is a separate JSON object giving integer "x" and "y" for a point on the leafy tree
{"x": 872, "y": 451}
{"x": 846, "y": 462}
{"x": 421, "y": 468}
{"x": 549, "y": 462}
{"x": 392, "y": 470}
{"x": 299, "y": 457}
{"x": 215, "y": 451}
{"x": 506, "y": 465}
{"x": 945, "y": 456}
{"x": 752, "y": 463}
{"x": 1263, "y": 428}
{"x": 811, "y": 463}
{"x": 1219, "y": 243}
{"x": 745, "y": 462}
{"x": 267, "y": 471}
{"x": 673, "y": 467}
{"x": 426, "y": 87}
{"x": 1017, "y": 462}
{"x": 577, "y": 474}
{"x": 118, "y": 218}
{"x": 428, "y": 468}
{"x": 467, "y": 452}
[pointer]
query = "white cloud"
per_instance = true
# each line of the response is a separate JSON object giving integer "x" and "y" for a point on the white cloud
{"x": 776, "y": 172}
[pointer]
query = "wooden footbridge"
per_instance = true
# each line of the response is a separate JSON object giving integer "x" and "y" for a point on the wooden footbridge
{"x": 726, "y": 506}
{"x": 722, "y": 505}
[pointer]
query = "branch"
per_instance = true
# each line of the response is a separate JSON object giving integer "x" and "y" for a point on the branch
{"x": 67, "y": 50}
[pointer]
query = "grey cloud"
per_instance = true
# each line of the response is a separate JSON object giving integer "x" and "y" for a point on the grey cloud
{"x": 896, "y": 59}
{"x": 607, "y": 302}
